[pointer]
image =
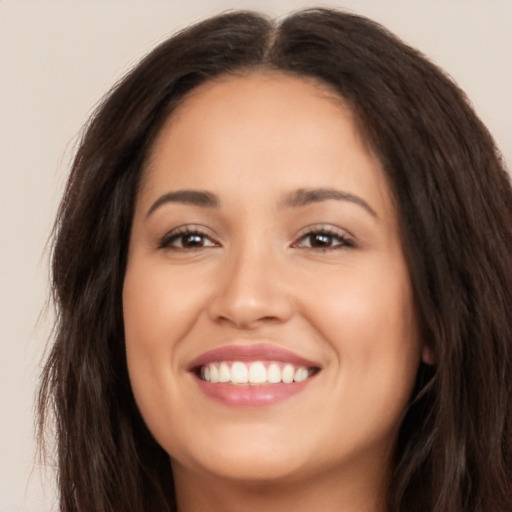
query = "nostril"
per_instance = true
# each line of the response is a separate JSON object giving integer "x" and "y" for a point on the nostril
{"x": 247, "y": 323}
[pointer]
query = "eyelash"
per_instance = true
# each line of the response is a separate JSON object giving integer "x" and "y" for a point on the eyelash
{"x": 327, "y": 232}
{"x": 180, "y": 233}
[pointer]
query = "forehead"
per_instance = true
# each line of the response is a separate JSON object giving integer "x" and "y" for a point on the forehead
{"x": 266, "y": 129}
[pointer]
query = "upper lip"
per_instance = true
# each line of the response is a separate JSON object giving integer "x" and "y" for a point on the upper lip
{"x": 260, "y": 352}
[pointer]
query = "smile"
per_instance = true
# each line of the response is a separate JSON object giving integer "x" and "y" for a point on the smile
{"x": 251, "y": 376}
{"x": 255, "y": 373}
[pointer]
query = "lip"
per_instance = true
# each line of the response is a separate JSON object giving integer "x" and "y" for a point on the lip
{"x": 249, "y": 395}
{"x": 247, "y": 353}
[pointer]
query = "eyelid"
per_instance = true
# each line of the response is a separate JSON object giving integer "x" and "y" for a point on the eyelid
{"x": 164, "y": 241}
{"x": 346, "y": 239}
{"x": 328, "y": 229}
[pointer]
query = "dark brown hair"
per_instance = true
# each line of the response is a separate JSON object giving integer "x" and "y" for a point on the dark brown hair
{"x": 454, "y": 201}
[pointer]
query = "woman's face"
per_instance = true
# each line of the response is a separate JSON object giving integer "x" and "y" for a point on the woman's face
{"x": 265, "y": 248}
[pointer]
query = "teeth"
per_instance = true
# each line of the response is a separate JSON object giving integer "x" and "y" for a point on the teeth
{"x": 224, "y": 373}
{"x": 301, "y": 374}
{"x": 274, "y": 373}
{"x": 239, "y": 373}
{"x": 255, "y": 373}
{"x": 288, "y": 374}
{"x": 214, "y": 373}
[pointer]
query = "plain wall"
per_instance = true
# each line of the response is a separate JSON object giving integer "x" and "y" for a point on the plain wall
{"x": 58, "y": 58}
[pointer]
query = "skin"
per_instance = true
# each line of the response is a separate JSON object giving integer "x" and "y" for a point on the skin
{"x": 255, "y": 276}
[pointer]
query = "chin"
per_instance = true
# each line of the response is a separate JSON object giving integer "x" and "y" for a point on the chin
{"x": 247, "y": 455}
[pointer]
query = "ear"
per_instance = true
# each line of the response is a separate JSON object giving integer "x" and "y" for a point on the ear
{"x": 427, "y": 355}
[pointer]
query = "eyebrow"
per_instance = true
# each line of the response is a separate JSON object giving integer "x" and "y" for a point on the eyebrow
{"x": 192, "y": 197}
{"x": 304, "y": 197}
{"x": 296, "y": 199}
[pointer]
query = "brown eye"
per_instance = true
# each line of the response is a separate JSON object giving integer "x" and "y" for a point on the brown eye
{"x": 192, "y": 240}
{"x": 323, "y": 240}
{"x": 186, "y": 240}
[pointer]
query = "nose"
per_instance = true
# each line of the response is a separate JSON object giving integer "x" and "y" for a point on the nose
{"x": 251, "y": 291}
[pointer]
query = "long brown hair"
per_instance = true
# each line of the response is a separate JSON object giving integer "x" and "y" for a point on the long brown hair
{"x": 454, "y": 200}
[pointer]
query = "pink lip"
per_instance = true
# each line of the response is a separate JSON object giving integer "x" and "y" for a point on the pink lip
{"x": 250, "y": 395}
{"x": 250, "y": 353}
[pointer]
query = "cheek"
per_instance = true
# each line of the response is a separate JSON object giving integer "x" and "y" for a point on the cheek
{"x": 367, "y": 319}
{"x": 369, "y": 305}
{"x": 159, "y": 306}
{"x": 159, "y": 309}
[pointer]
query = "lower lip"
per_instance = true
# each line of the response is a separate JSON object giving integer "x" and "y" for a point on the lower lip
{"x": 251, "y": 395}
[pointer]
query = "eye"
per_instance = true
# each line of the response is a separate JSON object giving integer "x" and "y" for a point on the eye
{"x": 186, "y": 239}
{"x": 323, "y": 239}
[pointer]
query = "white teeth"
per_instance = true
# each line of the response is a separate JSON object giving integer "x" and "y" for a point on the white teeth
{"x": 257, "y": 373}
{"x": 274, "y": 373}
{"x": 214, "y": 373}
{"x": 301, "y": 374}
{"x": 254, "y": 373}
{"x": 239, "y": 373}
{"x": 224, "y": 373}
{"x": 288, "y": 373}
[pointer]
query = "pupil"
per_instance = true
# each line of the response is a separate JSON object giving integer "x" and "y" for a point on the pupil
{"x": 192, "y": 240}
{"x": 321, "y": 240}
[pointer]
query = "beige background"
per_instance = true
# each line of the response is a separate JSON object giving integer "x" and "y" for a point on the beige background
{"x": 58, "y": 58}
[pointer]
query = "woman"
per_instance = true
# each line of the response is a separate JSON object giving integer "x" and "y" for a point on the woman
{"x": 282, "y": 274}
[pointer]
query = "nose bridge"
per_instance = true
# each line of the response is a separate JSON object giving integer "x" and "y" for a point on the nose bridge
{"x": 250, "y": 290}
